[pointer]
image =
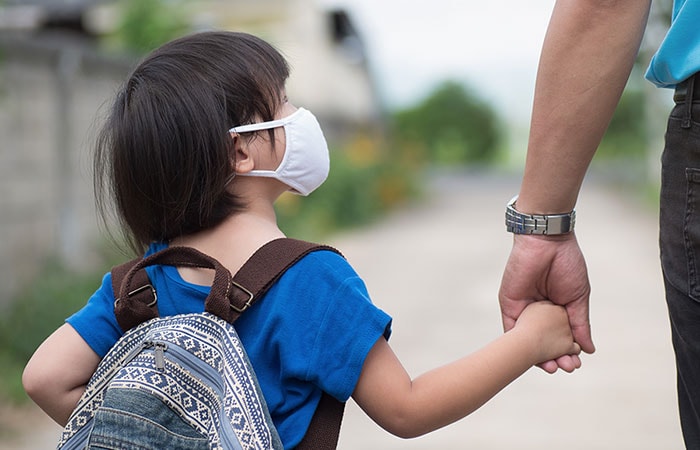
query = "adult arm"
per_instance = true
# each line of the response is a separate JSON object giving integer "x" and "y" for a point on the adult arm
{"x": 586, "y": 59}
{"x": 57, "y": 374}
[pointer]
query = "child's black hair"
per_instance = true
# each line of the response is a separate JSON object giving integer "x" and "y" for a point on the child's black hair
{"x": 164, "y": 155}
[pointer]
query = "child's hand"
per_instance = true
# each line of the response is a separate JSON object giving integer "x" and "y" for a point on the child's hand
{"x": 546, "y": 325}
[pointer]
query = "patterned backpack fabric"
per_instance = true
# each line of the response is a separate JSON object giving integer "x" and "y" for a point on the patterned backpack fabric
{"x": 185, "y": 381}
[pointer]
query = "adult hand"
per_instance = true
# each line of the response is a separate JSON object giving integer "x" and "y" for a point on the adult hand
{"x": 548, "y": 268}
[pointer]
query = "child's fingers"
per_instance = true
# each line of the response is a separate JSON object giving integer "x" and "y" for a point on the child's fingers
{"x": 548, "y": 366}
{"x": 569, "y": 363}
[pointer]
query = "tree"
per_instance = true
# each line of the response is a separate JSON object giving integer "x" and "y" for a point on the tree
{"x": 147, "y": 24}
{"x": 451, "y": 126}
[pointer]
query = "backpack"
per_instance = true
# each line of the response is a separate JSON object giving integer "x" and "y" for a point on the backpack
{"x": 185, "y": 381}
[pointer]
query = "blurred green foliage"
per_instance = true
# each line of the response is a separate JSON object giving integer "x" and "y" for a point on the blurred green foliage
{"x": 365, "y": 182}
{"x": 34, "y": 313}
{"x": 147, "y": 24}
{"x": 626, "y": 136}
{"x": 452, "y": 126}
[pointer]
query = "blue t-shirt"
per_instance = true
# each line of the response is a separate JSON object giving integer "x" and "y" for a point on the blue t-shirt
{"x": 310, "y": 333}
{"x": 678, "y": 56}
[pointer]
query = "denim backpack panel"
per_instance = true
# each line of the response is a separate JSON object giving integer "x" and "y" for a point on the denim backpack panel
{"x": 196, "y": 366}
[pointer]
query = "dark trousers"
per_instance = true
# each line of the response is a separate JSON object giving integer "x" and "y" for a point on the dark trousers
{"x": 680, "y": 249}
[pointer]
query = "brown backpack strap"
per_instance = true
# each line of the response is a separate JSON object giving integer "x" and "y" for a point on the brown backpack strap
{"x": 136, "y": 302}
{"x": 324, "y": 429}
{"x": 264, "y": 268}
{"x": 142, "y": 301}
{"x": 136, "y": 299}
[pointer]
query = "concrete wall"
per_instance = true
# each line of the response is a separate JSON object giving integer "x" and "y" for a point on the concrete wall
{"x": 50, "y": 91}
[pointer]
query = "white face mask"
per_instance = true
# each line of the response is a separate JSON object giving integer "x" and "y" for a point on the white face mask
{"x": 305, "y": 164}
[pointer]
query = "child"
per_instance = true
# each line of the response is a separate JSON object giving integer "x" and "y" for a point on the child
{"x": 200, "y": 142}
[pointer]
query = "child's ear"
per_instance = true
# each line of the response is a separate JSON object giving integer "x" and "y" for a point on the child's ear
{"x": 243, "y": 161}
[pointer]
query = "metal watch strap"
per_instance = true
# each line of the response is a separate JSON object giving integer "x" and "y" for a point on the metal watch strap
{"x": 549, "y": 224}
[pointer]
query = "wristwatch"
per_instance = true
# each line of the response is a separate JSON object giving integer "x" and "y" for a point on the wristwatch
{"x": 549, "y": 224}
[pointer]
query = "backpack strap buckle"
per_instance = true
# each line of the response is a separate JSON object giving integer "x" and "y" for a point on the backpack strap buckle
{"x": 143, "y": 298}
{"x": 238, "y": 304}
{"x": 142, "y": 289}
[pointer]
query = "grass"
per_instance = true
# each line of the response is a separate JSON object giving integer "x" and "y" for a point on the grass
{"x": 36, "y": 312}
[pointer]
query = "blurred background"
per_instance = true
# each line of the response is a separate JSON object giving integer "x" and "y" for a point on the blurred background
{"x": 417, "y": 100}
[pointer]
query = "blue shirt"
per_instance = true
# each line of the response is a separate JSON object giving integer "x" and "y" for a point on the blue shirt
{"x": 678, "y": 56}
{"x": 310, "y": 333}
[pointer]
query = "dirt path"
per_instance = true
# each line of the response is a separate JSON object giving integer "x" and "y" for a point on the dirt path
{"x": 27, "y": 428}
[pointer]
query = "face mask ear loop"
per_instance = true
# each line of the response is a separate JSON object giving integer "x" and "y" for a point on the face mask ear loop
{"x": 266, "y": 125}
{"x": 232, "y": 160}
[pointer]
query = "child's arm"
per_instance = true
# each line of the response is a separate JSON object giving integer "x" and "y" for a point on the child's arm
{"x": 410, "y": 408}
{"x": 56, "y": 375}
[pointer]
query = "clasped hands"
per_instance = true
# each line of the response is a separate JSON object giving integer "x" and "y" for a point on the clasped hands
{"x": 549, "y": 268}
